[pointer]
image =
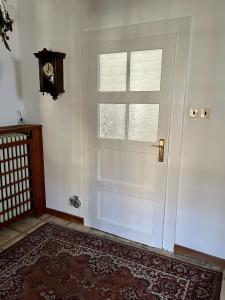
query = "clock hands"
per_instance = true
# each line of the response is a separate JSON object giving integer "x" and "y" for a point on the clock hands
{"x": 48, "y": 69}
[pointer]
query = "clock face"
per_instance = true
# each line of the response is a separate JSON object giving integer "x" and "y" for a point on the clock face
{"x": 48, "y": 69}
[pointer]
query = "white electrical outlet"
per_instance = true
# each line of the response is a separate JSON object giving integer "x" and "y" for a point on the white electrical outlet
{"x": 194, "y": 113}
{"x": 205, "y": 113}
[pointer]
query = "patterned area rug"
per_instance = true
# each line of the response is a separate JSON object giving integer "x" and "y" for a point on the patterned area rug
{"x": 58, "y": 263}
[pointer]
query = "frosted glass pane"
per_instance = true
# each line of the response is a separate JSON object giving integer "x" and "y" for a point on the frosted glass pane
{"x": 143, "y": 122}
{"x": 145, "y": 70}
{"x": 113, "y": 72}
{"x": 112, "y": 121}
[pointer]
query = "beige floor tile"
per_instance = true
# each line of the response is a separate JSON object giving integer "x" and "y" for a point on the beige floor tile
{"x": 7, "y": 234}
{"x": 78, "y": 227}
{"x": 13, "y": 241}
{"x": 24, "y": 224}
{"x": 121, "y": 240}
{"x": 36, "y": 226}
{"x": 97, "y": 232}
{"x": 128, "y": 242}
{"x": 44, "y": 217}
{"x": 57, "y": 221}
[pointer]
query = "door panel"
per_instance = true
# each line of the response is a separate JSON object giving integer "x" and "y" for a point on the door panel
{"x": 111, "y": 208}
{"x": 128, "y": 167}
{"x": 126, "y": 118}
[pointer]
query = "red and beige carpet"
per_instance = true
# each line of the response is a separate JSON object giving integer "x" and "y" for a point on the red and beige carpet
{"x": 55, "y": 263}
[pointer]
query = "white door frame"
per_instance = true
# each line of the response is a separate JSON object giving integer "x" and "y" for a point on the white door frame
{"x": 182, "y": 28}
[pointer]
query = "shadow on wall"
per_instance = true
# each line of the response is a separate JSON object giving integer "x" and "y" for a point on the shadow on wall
{"x": 17, "y": 71}
{"x": 10, "y": 93}
{"x": 27, "y": 69}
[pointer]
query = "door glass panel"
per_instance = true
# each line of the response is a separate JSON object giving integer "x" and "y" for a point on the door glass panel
{"x": 145, "y": 70}
{"x": 113, "y": 72}
{"x": 112, "y": 121}
{"x": 143, "y": 122}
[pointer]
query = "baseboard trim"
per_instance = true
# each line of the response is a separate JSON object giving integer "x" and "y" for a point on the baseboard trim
{"x": 200, "y": 256}
{"x": 64, "y": 216}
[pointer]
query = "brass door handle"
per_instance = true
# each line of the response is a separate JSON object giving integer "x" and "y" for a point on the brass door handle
{"x": 161, "y": 149}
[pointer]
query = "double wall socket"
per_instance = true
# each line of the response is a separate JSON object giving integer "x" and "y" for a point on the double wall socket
{"x": 203, "y": 113}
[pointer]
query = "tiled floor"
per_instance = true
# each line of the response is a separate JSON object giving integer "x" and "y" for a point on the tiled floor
{"x": 16, "y": 231}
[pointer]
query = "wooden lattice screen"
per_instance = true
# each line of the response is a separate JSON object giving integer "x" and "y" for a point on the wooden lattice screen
{"x": 22, "y": 189}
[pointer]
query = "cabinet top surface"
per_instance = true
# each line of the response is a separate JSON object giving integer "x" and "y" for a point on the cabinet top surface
{"x": 14, "y": 128}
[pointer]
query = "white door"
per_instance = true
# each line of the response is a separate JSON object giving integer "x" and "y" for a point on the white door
{"x": 128, "y": 114}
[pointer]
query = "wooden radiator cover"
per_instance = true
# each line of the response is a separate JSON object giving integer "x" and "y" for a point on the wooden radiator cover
{"x": 22, "y": 185}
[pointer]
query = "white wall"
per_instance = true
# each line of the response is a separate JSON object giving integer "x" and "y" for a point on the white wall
{"x": 201, "y": 217}
{"x": 58, "y": 25}
{"x": 10, "y": 83}
{"x": 55, "y": 25}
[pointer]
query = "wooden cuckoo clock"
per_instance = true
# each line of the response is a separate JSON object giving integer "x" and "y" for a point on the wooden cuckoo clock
{"x": 51, "y": 72}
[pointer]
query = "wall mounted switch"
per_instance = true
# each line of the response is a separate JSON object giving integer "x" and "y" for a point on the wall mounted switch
{"x": 194, "y": 113}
